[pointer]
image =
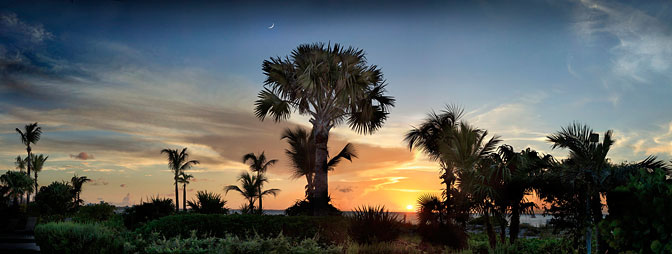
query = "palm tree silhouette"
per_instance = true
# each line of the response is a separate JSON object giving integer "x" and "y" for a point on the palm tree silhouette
{"x": 15, "y": 183}
{"x": 260, "y": 165}
{"x": 249, "y": 188}
{"x": 587, "y": 165}
{"x": 38, "y": 162}
{"x": 184, "y": 180}
{"x": 178, "y": 162}
{"x": 331, "y": 84}
{"x": 301, "y": 155}
{"x": 30, "y": 135}
{"x": 77, "y": 183}
{"x": 21, "y": 163}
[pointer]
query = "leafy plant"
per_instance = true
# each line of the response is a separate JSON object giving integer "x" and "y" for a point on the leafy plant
{"x": 74, "y": 238}
{"x": 137, "y": 215}
{"x": 208, "y": 203}
{"x": 374, "y": 224}
{"x": 95, "y": 212}
{"x": 305, "y": 208}
{"x": 55, "y": 199}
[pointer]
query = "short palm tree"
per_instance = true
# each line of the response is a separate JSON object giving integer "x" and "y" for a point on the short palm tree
{"x": 260, "y": 165}
{"x": 249, "y": 188}
{"x": 30, "y": 135}
{"x": 15, "y": 184}
{"x": 21, "y": 163}
{"x": 184, "y": 180}
{"x": 208, "y": 203}
{"x": 178, "y": 162}
{"x": 77, "y": 183}
{"x": 38, "y": 162}
{"x": 330, "y": 84}
{"x": 301, "y": 154}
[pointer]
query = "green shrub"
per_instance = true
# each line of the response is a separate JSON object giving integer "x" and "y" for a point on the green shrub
{"x": 138, "y": 215}
{"x": 533, "y": 246}
{"x": 72, "y": 238}
{"x": 327, "y": 229}
{"x": 374, "y": 224}
{"x": 305, "y": 208}
{"x": 382, "y": 248}
{"x": 94, "y": 212}
{"x": 639, "y": 214}
{"x": 208, "y": 203}
{"x": 55, "y": 199}
{"x": 235, "y": 245}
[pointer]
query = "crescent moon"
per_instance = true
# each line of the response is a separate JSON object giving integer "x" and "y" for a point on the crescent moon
{"x": 272, "y": 26}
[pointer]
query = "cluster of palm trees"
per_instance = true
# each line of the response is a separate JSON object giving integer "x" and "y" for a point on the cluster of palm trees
{"x": 483, "y": 177}
{"x": 251, "y": 184}
{"x": 30, "y": 135}
{"x": 178, "y": 162}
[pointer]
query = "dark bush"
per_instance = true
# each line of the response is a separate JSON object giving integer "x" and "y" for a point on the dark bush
{"x": 55, "y": 199}
{"x": 327, "y": 229}
{"x": 69, "y": 237}
{"x": 138, "y": 215}
{"x": 208, "y": 203}
{"x": 374, "y": 224}
{"x": 305, "y": 208}
{"x": 438, "y": 223}
{"x": 94, "y": 212}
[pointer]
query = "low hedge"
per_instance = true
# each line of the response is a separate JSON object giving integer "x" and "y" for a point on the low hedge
{"x": 73, "y": 238}
{"x": 326, "y": 229}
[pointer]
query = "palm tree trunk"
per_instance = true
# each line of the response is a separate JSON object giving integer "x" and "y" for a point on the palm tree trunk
{"x": 177, "y": 197}
{"x": 259, "y": 190}
{"x": 502, "y": 228}
{"x": 35, "y": 172}
{"x": 321, "y": 181}
{"x": 588, "y": 227}
{"x": 597, "y": 218}
{"x": 309, "y": 188}
{"x": 514, "y": 228}
{"x": 29, "y": 164}
{"x": 184, "y": 197}
{"x": 492, "y": 238}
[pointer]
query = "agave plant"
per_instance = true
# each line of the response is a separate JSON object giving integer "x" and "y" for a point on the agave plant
{"x": 374, "y": 224}
{"x": 208, "y": 203}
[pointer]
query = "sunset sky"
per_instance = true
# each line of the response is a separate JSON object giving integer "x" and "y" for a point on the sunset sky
{"x": 113, "y": 83}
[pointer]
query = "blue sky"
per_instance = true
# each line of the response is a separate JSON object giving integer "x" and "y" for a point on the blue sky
{"x": 120, "y": 80}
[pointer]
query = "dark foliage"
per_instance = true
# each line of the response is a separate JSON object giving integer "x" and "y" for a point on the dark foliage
{"x": 74, "y": 238}
{"x": 305, "y": 208}
{"x": 639, "y": 218}
{"x": 139, "y": 214}
{"x": 55, "y": 199}
{"x": 327, "y": 229}
{"x": 374, "y": 224}
{"x": 208, "y": 203}
{"x": 95, "y": 212}
{"x": 437, "y": 222}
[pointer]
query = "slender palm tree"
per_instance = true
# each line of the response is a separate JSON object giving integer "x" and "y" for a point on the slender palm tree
{"x": 249, "y": 188}
{"x": 37, "y": 162}
{"x": 260, "y": 165}
{"x": 30, "y": 135}
{"x": 178, "y": 162}
{"x": 21, "y": 163}
{"x": 301, "y": 155}
{"x": 184, "y": 180}
{"x": 15, "y": 184}
{"x": 437, "y": 129}
{"x": 330, "y": 84}
{"x": 77, "y": 183}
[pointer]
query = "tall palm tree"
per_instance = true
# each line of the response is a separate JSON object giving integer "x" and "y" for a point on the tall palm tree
{"x": 30, "y": 135}
{"x": 330, "y": 84}
{"x": 178, "y": 162}
{"x": 249, "y": 188}
{"x": 15, "y": 183}
{"x": 301, "y": 155}
{"x": 260, "y": 165}
{"x": 586, "y": 166}
{"x": 77, "y": 183}
{"x": 437, "y": 129}
{"x": 37, "y": 161}
{"x": 184, "y": 180}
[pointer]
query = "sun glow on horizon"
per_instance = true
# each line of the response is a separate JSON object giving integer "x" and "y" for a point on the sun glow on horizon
{"x": 409, "y": 207}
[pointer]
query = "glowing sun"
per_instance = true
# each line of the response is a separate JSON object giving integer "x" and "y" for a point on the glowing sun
{"x": 409, "y": 207}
